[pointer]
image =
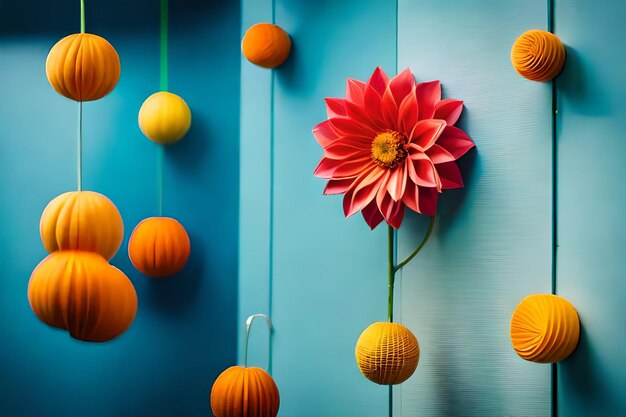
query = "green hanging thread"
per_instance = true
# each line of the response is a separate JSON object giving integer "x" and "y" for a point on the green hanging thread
{"x": 164, "y": 87}
{"x": 79, "y": 173}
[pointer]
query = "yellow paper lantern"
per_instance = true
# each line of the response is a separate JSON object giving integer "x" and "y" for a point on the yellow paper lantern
{"x": 244, "y": 392}
{"x": 83, "y": 67}
{"x": 82, "y": 220}
{"x": 81, "y": 293}
{"x": 538, "y": 55}
{"x": 164, "y": 118}
{"x": 387, "y": 353}
{"x": 159, "y": 246}
{"x": 266, "y": 45}
{"x": 544, "y": 328}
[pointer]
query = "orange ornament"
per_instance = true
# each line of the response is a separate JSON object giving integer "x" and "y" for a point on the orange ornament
{"x": 82, "y": 220}
{"x": 83, "y": 67}
{"x": 387, "y": 353}
{"x": 81, "y": 293}
{"x": 266, "y": 45}
{"x": 544, "y": 328}
{"x": 159, "y": 246}
{"x": 244, "y": 392}
{"x": 538, "y": 55}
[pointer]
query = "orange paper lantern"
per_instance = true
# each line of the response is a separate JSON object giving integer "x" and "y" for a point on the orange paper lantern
{"x": 81, "y": 293}
{"x": 538, "y": 55}
{"x": 266, "y": 45}
{"x": 544, "y": 328}
{"x": 159, "y": 246}
{"x": 82, "y": 220}
{"x": 83, "y": 67}
{"x": 387, "y": 353}
{"x": 244, "y": 392}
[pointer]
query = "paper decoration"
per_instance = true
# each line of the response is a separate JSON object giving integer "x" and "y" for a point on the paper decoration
{"x": 164, "y": 118}
{"x": 266, "y": 45}
{"x": 159, "y": 247}
{"x": 242, "y": 391}
{"x": 82, "y": 220}
{"x": 83, "y": 67}
{"x": 544, "y": 328}
{"x": 538, "y": 55}
{"x": 387, "y": 353}
{"x": 80, "y": 292}
{"x": 391, "y": 143}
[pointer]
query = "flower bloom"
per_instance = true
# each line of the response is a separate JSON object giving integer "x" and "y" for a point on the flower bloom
{"x": 391, "y": 143}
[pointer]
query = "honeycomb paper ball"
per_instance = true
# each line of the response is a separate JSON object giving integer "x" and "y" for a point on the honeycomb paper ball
{"x": 83, "y": 67}
{"x": 538, "y": 55}
{"x": 244, "y": 392}
{"x": 544, "y": 328}
{"x": 266, "y": 45}
{"x": 164, "y": 118}
{"x": 387, "y": 353}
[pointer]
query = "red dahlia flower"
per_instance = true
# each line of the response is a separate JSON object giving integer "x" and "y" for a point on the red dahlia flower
{"x": 390, "y": 144}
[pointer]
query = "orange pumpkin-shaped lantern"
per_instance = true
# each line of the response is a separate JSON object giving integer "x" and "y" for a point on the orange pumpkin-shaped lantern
{"x": 266, "y": 45}
{"x": 244, "y": 392}
{"x": 82, "y": 220}
{"x": 159, "y": 246}
{"x": 83, "y": 67}
{"x": 387, "y": 353}
{"x": 544, "y": 328}
{"x": 81, "y": 293}
{"x": 538, "y": 55}
{"x": 164, "y": 118}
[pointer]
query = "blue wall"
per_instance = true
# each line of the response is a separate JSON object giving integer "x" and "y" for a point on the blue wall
{"x": 184, "y": 333}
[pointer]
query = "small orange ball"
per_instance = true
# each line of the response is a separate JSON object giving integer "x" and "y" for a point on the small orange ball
{"x": 538, "y": 55}
{"x": 266, "y": 45}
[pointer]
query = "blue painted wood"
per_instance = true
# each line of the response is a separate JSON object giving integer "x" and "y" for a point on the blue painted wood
{"x": 591, "y": 199}
{"x": 492, "y": 241}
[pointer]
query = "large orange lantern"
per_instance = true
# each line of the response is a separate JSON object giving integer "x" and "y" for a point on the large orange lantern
{"x": 82, "y": 220}
{"x": 81, "y": 293}
{"x": 266, "y": 45}
{"x": 242, "y": 391}
{"x": 387, "y": 353}
{"x": 544, "y": 328}
{"x": 538, "y": 55}
{"x": 83, "y": 67}
{"x": 159, "y": 246}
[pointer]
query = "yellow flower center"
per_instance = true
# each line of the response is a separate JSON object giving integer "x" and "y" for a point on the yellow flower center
{"x": 389, "y": 149}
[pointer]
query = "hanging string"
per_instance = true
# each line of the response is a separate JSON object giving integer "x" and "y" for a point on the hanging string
{"x": 82, "y": 16}
{"x": 163, "y": 87}
{"x": 79, "y": 150}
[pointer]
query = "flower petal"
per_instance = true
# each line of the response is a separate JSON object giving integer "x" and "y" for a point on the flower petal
{"x": 448, "y": 110}
{"x": 341, "y": 149}
{"x": 379, "y": 80}
{"x": 364, "y": 193}
{"x": 411, "y": 197}
{"x": 423, "y": 173}
{"x": 374, "y": 107}
{"x": 354, "y": 91}
{"x": 426, "y": 133}
{"x": 390, "y": 110}
{"x": 408, "y": 113}
{"x": 324, "y": 133}
{"x": 350, "y": 127}
{"x": 401, "y": 85}
{"x": 372, "y": 215}
{"x": 450, "y": 175}
{"x": 338, "y": 186}
{"x": 397, "y": 182}
{"x": 455, "y": 141}
{"x": 358, "y": 114}
{"x": 340, "y": 169}
{"x": 392, "y": 211}
{"x": 439, "y": 155}
{"x": 428, "y": 95}
{"x": 335, "y": 107}
{"x": 428, "y": 201}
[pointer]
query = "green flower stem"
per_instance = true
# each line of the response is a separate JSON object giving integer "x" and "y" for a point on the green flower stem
{"x": 392, "y": 269}
{"x": 82, "y": 16}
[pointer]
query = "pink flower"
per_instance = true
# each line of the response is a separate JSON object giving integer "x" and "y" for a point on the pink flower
{"x": 391, "y": 144}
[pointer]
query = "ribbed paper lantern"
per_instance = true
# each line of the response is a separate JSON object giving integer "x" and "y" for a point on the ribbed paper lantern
{"x": 538, "y": 55}
{"x": 387, "y": 353}
{"x": 164, "y": 118}
{"x": 83, "y": 67}
{"x": 82, "y": 220}
{"x": 244, "y": 392}
{"x": 544, "y": 328}
{"x": 81, "y": 293}
{"x": 159, "y": 246}
{"x": 266, "y": 45}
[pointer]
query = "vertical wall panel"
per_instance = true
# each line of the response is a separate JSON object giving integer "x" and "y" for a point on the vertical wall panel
{"x": 591, "y": 201}
{"x": 492, "y": 241}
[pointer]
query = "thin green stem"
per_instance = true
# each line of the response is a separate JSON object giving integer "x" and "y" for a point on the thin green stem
{"x": 431, "y": 225}
{"x": 164, "y": 30}
{"x": 79, "y": 148}
{"x": 391, "y": 274}
{"x": 82, "y": 16}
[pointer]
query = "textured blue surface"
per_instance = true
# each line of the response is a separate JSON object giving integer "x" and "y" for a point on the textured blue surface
{"x": 184, "y": 333}
{"x": 591, "y": 201}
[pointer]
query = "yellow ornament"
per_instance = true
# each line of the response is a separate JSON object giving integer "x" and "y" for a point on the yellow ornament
{"x": 164, "y": 118}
